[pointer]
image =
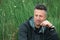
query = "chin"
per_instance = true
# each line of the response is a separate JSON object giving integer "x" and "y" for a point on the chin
{"x": 37, "y": 24}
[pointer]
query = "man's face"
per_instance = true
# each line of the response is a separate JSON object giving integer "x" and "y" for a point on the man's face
{"x": 39, "y": 16}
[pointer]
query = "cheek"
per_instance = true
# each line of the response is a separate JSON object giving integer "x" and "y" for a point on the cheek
{"x": 35, "y": 18}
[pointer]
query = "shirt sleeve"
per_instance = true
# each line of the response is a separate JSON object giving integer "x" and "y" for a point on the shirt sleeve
{"x": 53, "y": 34}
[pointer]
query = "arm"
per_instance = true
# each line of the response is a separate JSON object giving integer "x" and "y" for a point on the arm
{"x": 53, "y": 35}
{"x": 22, "y": 33}
{"x": 52, "y": 32}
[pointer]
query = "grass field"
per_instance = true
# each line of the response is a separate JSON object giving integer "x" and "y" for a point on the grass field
{"x": 15, "y": 12}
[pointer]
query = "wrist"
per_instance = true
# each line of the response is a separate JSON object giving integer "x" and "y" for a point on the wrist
{"x": 52, "y": 26}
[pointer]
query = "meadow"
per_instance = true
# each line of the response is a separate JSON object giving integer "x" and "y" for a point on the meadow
{"x": 15, "y": 12}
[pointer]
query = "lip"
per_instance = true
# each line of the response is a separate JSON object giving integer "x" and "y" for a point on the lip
{"x": 38, "y": 21}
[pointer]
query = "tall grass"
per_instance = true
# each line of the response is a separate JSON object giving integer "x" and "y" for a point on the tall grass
{"x": 15, "y": 12}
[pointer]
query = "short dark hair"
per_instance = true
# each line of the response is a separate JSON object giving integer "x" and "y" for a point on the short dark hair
{"x": 40, "y": 7}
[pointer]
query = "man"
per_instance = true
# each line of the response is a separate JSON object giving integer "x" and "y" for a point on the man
{"x": 37, "y": 27}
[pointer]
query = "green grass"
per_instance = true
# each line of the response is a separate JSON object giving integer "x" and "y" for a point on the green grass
{"x": 15, "y": 12}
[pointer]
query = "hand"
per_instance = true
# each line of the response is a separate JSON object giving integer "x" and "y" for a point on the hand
{"x": 46, "y": 23}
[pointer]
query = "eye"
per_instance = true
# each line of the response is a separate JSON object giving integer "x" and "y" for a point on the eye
{"x": 40, "y": 16}
{"x": 36, "y": 15}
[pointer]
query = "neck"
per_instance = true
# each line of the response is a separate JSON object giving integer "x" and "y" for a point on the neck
{"x": 37, "y": 26}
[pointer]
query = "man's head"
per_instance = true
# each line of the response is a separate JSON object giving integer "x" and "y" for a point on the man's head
{"x": 39, "y": 14}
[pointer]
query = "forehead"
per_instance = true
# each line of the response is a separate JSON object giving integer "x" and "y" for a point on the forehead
{"x": 39, "y": 11}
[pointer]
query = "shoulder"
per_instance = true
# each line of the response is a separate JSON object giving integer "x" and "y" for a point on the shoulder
{"x": 24, "y": 25}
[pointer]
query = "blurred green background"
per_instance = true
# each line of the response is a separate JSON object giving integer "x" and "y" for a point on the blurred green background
{"x": 15, "y": 12}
